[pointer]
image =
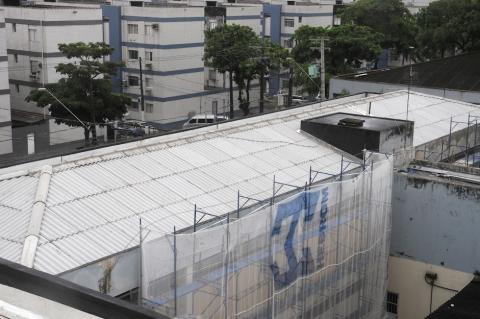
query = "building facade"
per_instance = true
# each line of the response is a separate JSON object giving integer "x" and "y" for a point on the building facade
{"x": 33, "y": 36}
{"x": 5, "y": 117}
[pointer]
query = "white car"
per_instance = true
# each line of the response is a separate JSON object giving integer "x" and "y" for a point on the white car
{"x": 204, "y": 119}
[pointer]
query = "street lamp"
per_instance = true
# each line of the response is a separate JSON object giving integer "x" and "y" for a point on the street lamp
{"x": 43, "y": 89}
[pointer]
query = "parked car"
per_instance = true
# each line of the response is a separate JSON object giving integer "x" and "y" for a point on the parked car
{"x": 204, "y": 119}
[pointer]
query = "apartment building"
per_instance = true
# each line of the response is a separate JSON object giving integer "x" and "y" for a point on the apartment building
{"x": 33, "y": 36}
{"x": 280, "y": 22}
{"x": 5, "y": 118}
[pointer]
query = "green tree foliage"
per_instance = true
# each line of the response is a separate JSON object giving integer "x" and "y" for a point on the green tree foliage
{"x": 228, "y": 48}
{"x": 447, "y": 27}
{"x": 348, "y": 46}
{"x": 389, "y": 17}
{"x": 85, "y": 88}
{"x": 268, "y": 57}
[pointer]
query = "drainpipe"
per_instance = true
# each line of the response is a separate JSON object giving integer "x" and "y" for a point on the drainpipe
{"x": 33, "y": 232}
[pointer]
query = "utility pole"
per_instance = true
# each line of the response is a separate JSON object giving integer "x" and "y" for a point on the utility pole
{"x": 262, "y": 84}
{"x": 142, "y": 97}
{"x": 322, "y": 69}
{"x": 290, "y": 86}
{"x": 321, "y": 65}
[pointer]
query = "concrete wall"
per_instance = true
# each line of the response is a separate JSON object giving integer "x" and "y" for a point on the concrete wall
{"x": 436, "y": 221}
{"x": 339, "y": 86}
{"x": 406, "y": 278}
{"x": 18, "y": 304}
{"x": 5, "y": 119}
{"x": 51, "y": 27}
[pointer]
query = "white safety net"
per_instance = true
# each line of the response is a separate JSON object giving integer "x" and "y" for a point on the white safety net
{"x": 321, "y": 253}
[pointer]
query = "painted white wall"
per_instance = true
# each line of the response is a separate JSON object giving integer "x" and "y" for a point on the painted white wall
{"x": 47, "y": 40}
{"x": 406, "y": 278}
{"x": 18, "y": 304}
{"x": 5, "y": 130}
{"x": 245, "y": 10}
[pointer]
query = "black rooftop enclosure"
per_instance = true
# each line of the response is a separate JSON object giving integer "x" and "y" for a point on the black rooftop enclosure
{"x": 353, "y": 133}
{"x": 70, "y": 294}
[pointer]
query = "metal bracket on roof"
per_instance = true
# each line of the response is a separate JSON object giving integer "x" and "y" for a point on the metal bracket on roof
{"x": 203, "y": 213}
{"x": 343, "y": 168}
{"x": 33, "y": 232}
{"x": 247, "y": 200}
{"x": 276, "y": 190}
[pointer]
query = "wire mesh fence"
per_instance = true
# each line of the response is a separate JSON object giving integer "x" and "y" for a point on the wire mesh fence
{"x": 321, "y": 253}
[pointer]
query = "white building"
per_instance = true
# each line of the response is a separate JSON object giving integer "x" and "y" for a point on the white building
{"x": 33, "y": 36}
{"x": 5, "y": 117}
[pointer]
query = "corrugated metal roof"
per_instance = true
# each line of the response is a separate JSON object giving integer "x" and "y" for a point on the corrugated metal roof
{"x": 95, "y": 199}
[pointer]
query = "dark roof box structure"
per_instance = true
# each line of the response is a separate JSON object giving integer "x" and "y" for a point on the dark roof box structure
{"x": 353, "y": 133}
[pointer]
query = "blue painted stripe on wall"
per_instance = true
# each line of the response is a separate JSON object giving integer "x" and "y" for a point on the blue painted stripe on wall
{"x": 162, "y": 46}
{"x": 305, "y": 14}
{"x": 113, "y": 14}
{"x": 253, "y": 17}
{"x": 163, "y": 19}
{"x": 164, "y": 73}
{"x": 184, "y": 96}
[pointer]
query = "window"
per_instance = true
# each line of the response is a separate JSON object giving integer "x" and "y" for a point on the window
{"x": 14, "y": 27}
{"x": 15, "y": 58}
{"x": 132, "y": 28}
{"x": 148, "y": 55}
{"x": 133, "y": 80}
{"x": 284, "y": 83}
{"x": 212, "y": 75}
{"x": 134, "y": 105}
{"x": 392, "y": 302}
{"x": 133, "y": 54}
{"x": 288, "y": 43}
{"x": 289, "y": 23}
{"x": 214, "y": 107}
{"x": 148, "y": 82}
{"x": 35, "y": 66}
{"x": 300, "y": 19}
{"x": 149, "y": 107}
{"x": 17, "y": 88}
{"x": 148, "y": 29}
{"x": 32, "y": 34}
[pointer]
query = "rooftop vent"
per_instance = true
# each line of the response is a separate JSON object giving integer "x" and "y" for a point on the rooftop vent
{"x": 352, "y": 122}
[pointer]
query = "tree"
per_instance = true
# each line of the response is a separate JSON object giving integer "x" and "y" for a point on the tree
{"x": 266, "y": 57}
{"x": 227, "y": 47}
{"x": 85, "y": 88}
{"x": 447, "y": 27}
{"x": 348, "y": 46}
{"x": 389, "y": 17}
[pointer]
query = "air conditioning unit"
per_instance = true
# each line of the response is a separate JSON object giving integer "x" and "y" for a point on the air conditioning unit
{"x": 148, "y": 64}
{"x": 155, "y": 26}
{"x": 148, "y": 90}
{"x": 34, "y": 76}
{"x": 125, "y": 83}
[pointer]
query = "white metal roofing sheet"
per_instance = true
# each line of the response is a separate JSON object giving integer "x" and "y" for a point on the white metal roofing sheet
{"x": 94, "y": 204}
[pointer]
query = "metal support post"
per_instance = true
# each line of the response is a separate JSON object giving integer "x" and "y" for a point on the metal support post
{"x": 175, "y": 269}
{"x": 140, "y": 253}
{"x": 450, "y": 138}
{"x": 290, "y": 86}
{"x": 195, "y": 218}
{"x": 466, "y": 139}
{"x": 238, "y": 204}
